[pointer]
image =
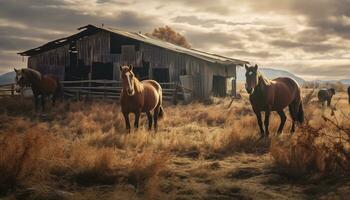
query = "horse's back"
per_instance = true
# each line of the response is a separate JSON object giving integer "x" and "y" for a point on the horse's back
{"x": 286, "y": 91}
{"x": 323, "y": 95}
{"x": 50, "y": 83}
{"x": 152, "y": 92}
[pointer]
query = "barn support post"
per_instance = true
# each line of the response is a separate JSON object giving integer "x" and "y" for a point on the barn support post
{"x": 234, "y": 87}
{"x": 234, "y": 82}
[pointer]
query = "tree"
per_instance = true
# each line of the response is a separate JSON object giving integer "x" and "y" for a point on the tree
{"x": 168, "y": 34}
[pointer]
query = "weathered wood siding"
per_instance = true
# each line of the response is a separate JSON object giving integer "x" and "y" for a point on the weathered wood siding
{"x": 51, "y": 62}
{"x": 94, "y": 48}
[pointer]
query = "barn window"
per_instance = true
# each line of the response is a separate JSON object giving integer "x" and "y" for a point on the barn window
{"x": 161, "y": 75}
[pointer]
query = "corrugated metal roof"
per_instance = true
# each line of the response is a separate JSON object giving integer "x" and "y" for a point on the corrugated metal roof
{"x": 213, "y": 58}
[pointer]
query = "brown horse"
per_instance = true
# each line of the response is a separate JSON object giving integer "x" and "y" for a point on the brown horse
{"x": 138, "y": 97}
{"x": 273, "y": 95}
{"x": 325, "y": 95}
{"x": 43, "y": 85}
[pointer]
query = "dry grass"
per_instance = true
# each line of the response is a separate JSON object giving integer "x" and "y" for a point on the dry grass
{"x": 83, "y": 149}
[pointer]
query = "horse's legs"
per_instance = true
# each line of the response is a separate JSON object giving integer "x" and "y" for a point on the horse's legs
{"x": 293, "y": 111}
{"x": 155, "y": 117}
{"x": 36, "y": 102}
{"x": 149, "y": 116}
{"x": 329, "y": 102}
{"x": 137, "y": 117}
{"x": 127, "y": 121}
{"x": 258, "y": 116}
{"x": 283, "y": 120}
{"x": 267, "y": 122}
{"x": 43, "y": 101}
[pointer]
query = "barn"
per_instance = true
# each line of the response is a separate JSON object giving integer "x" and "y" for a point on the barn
{"x": 95, "y": 53}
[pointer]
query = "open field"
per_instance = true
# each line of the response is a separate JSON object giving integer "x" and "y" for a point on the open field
{"x": 79, "y": 150}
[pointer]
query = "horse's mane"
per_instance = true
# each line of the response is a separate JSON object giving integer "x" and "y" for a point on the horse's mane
{"x": 263, "y": 79}
{"x": 31, "y": 73}
{"x": 137, "y": 85}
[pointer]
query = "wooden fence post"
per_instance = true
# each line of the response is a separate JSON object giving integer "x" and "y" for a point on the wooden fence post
{"x": 12, "y": 89}
{"x": 175, "y": 94}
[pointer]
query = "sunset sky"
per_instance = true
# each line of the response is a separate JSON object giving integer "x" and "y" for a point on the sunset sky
{"x": 310, "y": 38}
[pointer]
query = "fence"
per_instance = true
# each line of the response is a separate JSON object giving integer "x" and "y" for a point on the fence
{"x": 7, "y": 90}
{"x": 100, "y": 89}
{"x": 108, "y": 89}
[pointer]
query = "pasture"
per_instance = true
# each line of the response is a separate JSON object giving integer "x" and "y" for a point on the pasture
{"x": 80, "y": 150}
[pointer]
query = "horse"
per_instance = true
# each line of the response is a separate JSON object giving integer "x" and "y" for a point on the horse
{"x": 325, "y": 95}
{"x": 140, "y": 97}
{"x": 42, "y": 85}
{"x": 273, "y": 95}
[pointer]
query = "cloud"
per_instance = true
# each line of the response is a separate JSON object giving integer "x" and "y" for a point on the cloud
{"x": 312, "y": 34}
{"x": 207, "y": 23}
{"x": 307, "y": 47}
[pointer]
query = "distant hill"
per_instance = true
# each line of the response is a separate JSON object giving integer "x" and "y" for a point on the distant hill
{"x": 7, "y": 78}
{"x": 270, "y": 74}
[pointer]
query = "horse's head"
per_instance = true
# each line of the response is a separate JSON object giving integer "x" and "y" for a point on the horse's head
{"x": 20, "y": 80}
{"x": 252, "y": 78}
{"x": 128, "y": 79}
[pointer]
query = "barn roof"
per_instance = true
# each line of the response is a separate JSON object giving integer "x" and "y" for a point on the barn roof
{"x": 91, "y": 29}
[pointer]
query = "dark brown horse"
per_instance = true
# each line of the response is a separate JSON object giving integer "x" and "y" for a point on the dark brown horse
{"x": 138, "y": 97}
{"x": 273, "y": 95}
{"x": 42, "y": 85}
{"x": 326, "y": 95}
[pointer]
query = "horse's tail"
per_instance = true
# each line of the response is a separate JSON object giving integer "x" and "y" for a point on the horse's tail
{"x": 161, "y": 113}
{"x": 58, "y": 91}
{"x": 301, "y": 113}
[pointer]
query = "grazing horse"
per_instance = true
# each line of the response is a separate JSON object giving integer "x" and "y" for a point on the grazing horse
{"x": 43, "y": 85}
{"x": 326, "y": 96}
{"x": 273, "y": 95}
{"x": 138, "y": 97}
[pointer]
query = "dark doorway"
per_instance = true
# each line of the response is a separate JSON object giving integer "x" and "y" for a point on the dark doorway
{"x": 142, "y": 73}
{"x": 161, "y": 75}
{"x": 219, "y": 86}
{"x": 102, "y": 71}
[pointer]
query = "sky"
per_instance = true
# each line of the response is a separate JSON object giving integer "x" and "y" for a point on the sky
{"x": 310, "y": 38}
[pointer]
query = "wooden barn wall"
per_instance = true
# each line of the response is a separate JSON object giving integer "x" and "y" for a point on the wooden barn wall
{"x": 51, "y": 62}
{"x": 94, "y": 48}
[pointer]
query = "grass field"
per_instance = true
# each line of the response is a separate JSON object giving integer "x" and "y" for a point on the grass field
{"x": 80, "y": 150}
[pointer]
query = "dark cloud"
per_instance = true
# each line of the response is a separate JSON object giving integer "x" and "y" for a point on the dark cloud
{"x": 194, "y": 20}
{"x": 206, "y": 40}
{"x": 259, "y": 54}
{"x": 60, "y": 16}
{"x": 209, "y": 6}
{"x": 307, "y": 47}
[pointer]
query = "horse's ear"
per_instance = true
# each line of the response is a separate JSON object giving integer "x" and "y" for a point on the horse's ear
{"x": 120, "y": 68}
{"x": 16, "y": 70}
{"x": 256, "y": 67}
{"x": 131, "y": 67}
{"x": 246, "y": 66}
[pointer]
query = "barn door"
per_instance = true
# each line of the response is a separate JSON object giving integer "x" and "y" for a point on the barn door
{"x": 219, "y": 86}
{"x": 128, "y": 55}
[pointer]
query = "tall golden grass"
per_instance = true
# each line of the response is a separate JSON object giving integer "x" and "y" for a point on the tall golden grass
{"x": 85, "y": 145}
